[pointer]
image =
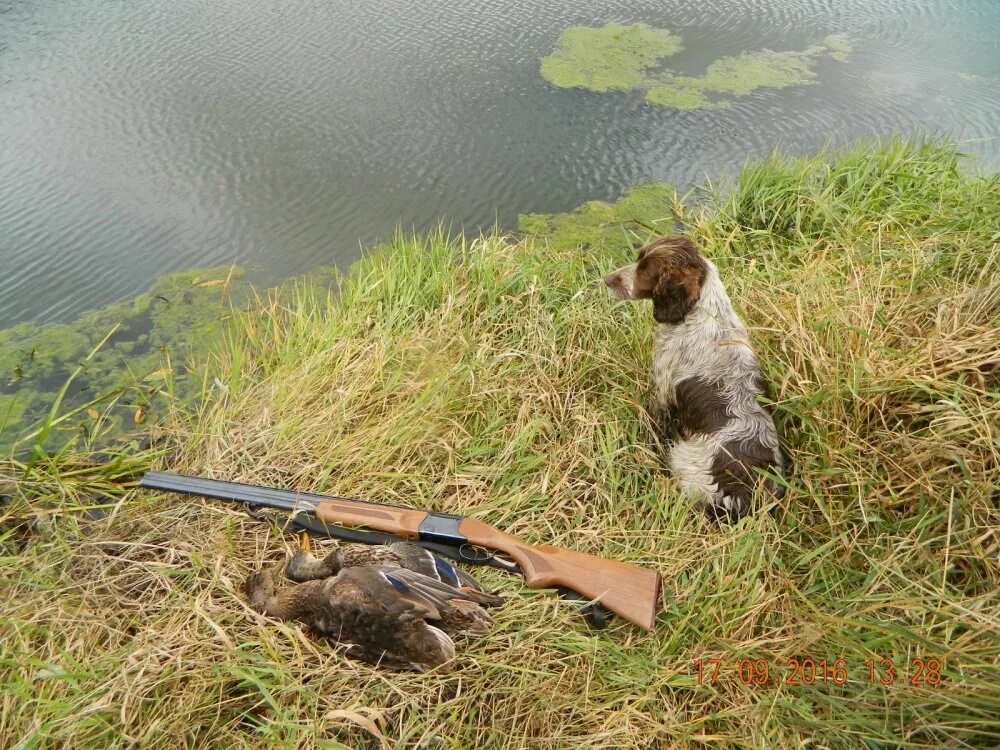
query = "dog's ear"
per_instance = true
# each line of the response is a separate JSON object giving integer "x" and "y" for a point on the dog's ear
{"x": 676, "y": 292}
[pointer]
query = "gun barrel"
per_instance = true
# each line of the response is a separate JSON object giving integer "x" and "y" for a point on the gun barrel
{"x": 234, "y": 491}
{"x": 218, "y": 489}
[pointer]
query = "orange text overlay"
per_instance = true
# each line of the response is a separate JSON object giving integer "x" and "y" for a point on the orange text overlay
{"x": 808, "y": 670}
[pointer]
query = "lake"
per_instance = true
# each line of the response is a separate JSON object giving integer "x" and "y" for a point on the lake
{"x": 144, "y": 138}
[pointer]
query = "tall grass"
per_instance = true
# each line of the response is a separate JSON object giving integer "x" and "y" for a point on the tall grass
{"x": 495, "y": 377}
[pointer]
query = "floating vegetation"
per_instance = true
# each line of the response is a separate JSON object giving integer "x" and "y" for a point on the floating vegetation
{"x": 153, "y": 343}
{"x": 976, "y": 78}
{"x": 623, "y": 58}
{"x": 597, "y": 227}
{"x": 155, "y": 354}
{"x": 611, "y": 58}
{"x": 838, "y": 47}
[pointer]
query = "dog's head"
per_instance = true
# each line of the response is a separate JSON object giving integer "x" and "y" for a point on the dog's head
{"x": 670, "y": 271}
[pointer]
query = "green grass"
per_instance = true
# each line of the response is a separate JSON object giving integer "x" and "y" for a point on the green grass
{"x": 495, "y": 377}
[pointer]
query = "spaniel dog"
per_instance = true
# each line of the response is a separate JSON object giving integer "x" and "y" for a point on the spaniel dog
{"x": 705, "y": 371}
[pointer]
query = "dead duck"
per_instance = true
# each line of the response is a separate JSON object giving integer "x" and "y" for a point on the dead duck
{"x": 389, "y": 616}
{"x": 463, "y": 617}
{"x": 302, "y": 566}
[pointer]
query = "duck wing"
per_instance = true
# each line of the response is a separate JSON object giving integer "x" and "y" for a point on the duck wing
{"x": 406, "y": 555}
{"x": 384, "y": 588}
{"x": 414, "y": 557}
{"x": 386, "y": 624}
{"x": 458, "y": 610}
{"x": 465, "y": 580}
{"x": 435, "y": 592}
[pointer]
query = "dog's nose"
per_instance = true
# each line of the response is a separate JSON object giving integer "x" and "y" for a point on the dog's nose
{"x": 613, "y": 279}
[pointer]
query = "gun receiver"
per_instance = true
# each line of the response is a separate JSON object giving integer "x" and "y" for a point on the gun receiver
{"x": 627, "y": 590}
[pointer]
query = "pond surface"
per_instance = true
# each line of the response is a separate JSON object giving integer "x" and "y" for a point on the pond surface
{"x": 145, "y": 137}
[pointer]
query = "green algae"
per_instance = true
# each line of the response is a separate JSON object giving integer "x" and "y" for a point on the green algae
{"x": 838, "y": 47}
{"x": 157, "y": 357}
{"x": 13, "y": 408}
{"x": 680, "y": 92}
{"x": 749, "y": 71}
{"x": 977, "y": 78}
{"x": 158, "y": 344}
{"x": 610, "y": 58}
{"x": 598, "y": 227}
{"x": 621, "y": 58}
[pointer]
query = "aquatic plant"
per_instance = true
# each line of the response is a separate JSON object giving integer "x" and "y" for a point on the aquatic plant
{"x": 680, "y": 92}
{"x": 597, "y": 228}
{"x": 157, "y": 343}
{"x": 633, "y": 62}
{"x": 613, "y": 57}
{"x": 838, "y": 47}
{"x": 977, "y": 78}
{"x": 495, "y": 375}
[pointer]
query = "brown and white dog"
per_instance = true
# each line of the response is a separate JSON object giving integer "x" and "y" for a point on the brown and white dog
{"x": 705, "y": 370}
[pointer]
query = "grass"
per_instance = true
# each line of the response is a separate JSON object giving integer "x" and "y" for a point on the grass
{"x": 495, "y": 377}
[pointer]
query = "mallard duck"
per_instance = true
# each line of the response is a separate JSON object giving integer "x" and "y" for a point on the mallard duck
{"x": 389, "y": 615}
{"x": 302, "y": 566}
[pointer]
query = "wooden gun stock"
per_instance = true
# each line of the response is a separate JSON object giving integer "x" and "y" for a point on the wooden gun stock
{"x": 625, "y": 589}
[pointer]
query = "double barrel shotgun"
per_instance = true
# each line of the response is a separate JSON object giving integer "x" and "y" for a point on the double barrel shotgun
{"x": 629, "y": 591}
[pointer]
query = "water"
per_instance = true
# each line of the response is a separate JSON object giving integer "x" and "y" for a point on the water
{"x": 142, "y": 138}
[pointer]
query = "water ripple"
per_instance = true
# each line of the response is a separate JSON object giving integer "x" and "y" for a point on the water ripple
{"x": 142, "y": 138}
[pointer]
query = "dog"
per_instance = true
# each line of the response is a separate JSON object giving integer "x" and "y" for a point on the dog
{"x": 706, "y": 373}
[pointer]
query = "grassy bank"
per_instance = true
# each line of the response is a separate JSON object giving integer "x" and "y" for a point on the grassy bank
{"x": 495, "y": 377}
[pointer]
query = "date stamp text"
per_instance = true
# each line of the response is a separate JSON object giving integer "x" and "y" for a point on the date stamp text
{"x": 918, "y": 672}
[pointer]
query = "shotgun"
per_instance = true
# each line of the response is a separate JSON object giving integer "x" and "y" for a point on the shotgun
{"x": 627, "y": 590}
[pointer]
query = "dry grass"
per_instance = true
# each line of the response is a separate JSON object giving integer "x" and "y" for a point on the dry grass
{"x": 494, "y": 377}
